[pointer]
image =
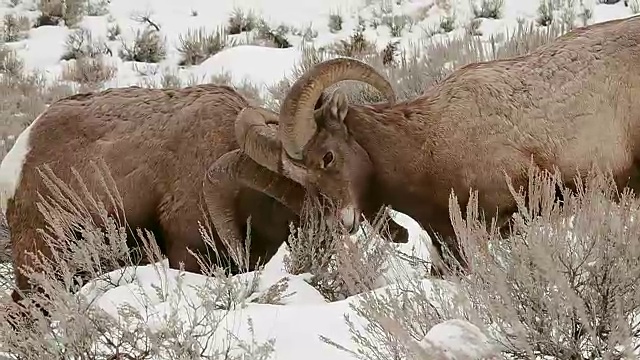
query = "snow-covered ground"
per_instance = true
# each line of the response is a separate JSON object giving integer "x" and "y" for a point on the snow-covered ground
{"x": 44, "y": 46}
{"x": 298, "y": 322}
{"x": 295, "y": 323}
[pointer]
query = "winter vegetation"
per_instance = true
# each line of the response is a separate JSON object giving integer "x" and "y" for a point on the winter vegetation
{"x": 562, "y": 286}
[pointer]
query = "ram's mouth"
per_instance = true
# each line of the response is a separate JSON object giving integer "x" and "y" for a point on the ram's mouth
{"x": 350, "y": 219}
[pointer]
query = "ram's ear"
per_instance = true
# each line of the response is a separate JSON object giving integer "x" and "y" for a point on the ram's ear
{"x": 338, "y": 106}
{"x": 321, "y": 100}
{"x": 331, "y": 109}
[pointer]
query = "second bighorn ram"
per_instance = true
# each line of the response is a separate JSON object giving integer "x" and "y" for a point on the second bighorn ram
{"x": 570, "y": 104}
{"x": 158, "y": 145}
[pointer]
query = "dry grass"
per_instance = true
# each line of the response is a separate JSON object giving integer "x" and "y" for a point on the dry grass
{"x": 97, "y": 7}
{"x": 270, "y": 37}
{"x": 565, "y": 284}
{"x": 148, "y": 47}
{"x": 10, "y": 63}
{"x": 84, "y": 330}
{"x": 516, "y": 296}
{"x": 335, "y": 23}
{"x": 55, "y": 11}
{"x": 356, "y": 45}
{"x": 22, "y": 97}
{"x": 426, "y": 62}
{"x": 239, "y": 21}
{"x": 197, "y": 45}
{"x": 14, "y": 28}
{"x": 89, "y": 72}
{"x": 81, "y": 43}
{"x": 339, "y": 266}
{"x": 491, "y": 9}
{"x": 78, "y": 329}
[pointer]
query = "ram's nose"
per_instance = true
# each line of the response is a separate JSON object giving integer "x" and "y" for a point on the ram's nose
{"x": 350, "y": 218}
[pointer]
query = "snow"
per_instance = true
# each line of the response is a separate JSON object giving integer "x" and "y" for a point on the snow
{"x": 295, "y": 324}
{"x": 448, "y": 334}
{"x": 255, "y": 64}
{"x": 298, "y": 321}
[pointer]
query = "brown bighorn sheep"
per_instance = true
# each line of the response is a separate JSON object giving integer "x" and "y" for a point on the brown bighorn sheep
{"x": 569, "y": 104}
{"x": 158, "y": 145}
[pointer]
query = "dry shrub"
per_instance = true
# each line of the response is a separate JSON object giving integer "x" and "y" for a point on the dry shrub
{"x": 491, "y": 9}
{"x": 339, "y": 266}
{"x": 525, "y": 39}
{"x": 356, "y": 45}
{"x": 53, "y": 11}
{"x": 5, "y": 243}
{"x": 89, "y": 72}
{"x": 413, "y": 70}
{"x": 239, "y": 21}
{"x": 565, "y": 284}
{"x": 14, "y": 28}
{"x": 307, "y": 33}
{"x": 170, "y": 81}
{"x": 97, "y": 7}
{"x": 397, "y": 310}
{"x": 81, "y": 43}
{"x": 396, "y": 306}
{"x": 396, "y": 320}
{"x": 113, "y": 31}
{"x": 448, "y": 23}
{"x": 197, "y": 46}
{"x": 78, "y": 329}
{"x": 397, "y": 23}
{"x": 265, "y": 35}
{"x": 335, "y": 23}
{"x": 148, "y": 46}
{"x": 545, "y": 13}
{"x": 22, "y": 97}
{"x": 250, "y": 91}
{"x": 10, "y": 63}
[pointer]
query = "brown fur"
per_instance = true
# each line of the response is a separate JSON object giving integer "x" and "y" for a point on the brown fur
{"x": 570, "y": 104}
{"x": 158, "y": 145}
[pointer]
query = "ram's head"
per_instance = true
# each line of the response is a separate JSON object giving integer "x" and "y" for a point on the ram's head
{"x": 312, "y": 144}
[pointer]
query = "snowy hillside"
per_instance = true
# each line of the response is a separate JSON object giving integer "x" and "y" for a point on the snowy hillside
{"x": 146, "y": 42}
{"x": 405, "y": 21}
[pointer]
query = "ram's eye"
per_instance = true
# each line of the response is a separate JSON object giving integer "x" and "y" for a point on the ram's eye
{"x": 327, "y": 159}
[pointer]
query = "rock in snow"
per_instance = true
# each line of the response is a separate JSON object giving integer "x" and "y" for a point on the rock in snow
{"x": 448, "y": 336}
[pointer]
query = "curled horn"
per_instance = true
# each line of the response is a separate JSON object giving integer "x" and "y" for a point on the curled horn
{"x": 256, "y": 133}
{"x": 239, "y": 166}
{"x": 297, "y": 124}
{"x": 257, "y": 138}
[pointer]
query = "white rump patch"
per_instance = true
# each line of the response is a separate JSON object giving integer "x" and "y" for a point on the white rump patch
{"x": 11, "y": 167}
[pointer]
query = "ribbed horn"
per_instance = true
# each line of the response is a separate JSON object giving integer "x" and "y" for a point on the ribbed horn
{"x": 297, "y": 125}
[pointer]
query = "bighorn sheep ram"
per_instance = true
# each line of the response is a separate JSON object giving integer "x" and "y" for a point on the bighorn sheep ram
{"x": 158, "y": 145}
{"x": 569, "y": 104}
